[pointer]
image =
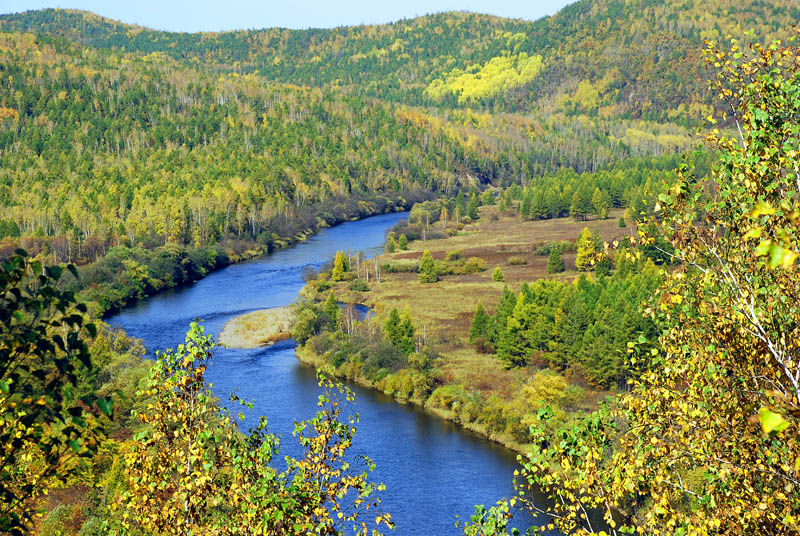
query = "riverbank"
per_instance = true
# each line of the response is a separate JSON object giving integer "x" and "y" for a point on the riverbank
{"x": 257, "y": 329}
{"x": 129, "y": 274}
{"x": 441, "y": 365}
{"x": 307, "y": 356}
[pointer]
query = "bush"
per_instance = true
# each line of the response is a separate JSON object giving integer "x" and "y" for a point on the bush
{"x": 358, "y": 285}
{"x": 517, "y": 261}
{"x": 473, "y": 265}
{"x": 497, "y": 275}
{"x": 454, "y": 255}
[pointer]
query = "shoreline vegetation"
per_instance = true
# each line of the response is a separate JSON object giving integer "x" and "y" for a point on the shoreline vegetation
{"x": 258, "y": 328}
{"x": 420, "y": 348}
{"x": 127, "y": 274}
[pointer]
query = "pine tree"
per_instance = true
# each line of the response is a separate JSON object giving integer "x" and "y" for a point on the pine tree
{"x": 586, "y": 250}
{"x": 405, "y": 340}
{"x": 427, "y": 268}
{"x": 497, "y": 275}
{"x": 391, "y": 328}
{"x": 539, "y": 209}
{"x": 391, "y": 245}
{"x": 472, "y": 209}
{"x": 332, "y": 310}
{"x": 501, "y": 313}
{"x": 514, "y": 346}
{"x": 340, "y": 266}
{"x": 402, "y": 242}
{"x": 555, "y": 264}
{"x": 480, "y": 324}
{"x": 601, "y": 203}
{"x": 399, "y": 330}
{"x": 621, "y": 222}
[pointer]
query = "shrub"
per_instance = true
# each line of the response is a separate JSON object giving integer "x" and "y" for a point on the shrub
{"x": 454, "y": 255}
{"x": 497, "y": 275}
{"x": 474, "y": 265}
{"x": 517, "y": 261}
{"x": 358, "y": 285}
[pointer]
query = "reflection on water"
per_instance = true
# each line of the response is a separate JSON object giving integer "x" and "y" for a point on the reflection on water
{"x": 432, "y": 469}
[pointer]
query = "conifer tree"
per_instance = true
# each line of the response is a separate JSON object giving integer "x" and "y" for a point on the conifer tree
{"x": 402, "y": 242}
{"x": 391, "y": 245}
{"x": 621, "y": 222}
{"x": 555, "y": 264}
{"x": 332, "y": 310}
{"x": 472, "y": 208}
{"x": 586, "y": 250}
{"x": 514, "y": 346}
{"x": 340, "y": 266}
{"x": 501, "y": 313}
{"x": 601, "y": 202}
{"x": 427, "y": 268}
{"x": 480, "y": 324}
{"x": 497, "y": 275}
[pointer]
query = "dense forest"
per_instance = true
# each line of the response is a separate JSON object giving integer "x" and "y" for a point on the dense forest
{"x": 651, "y": 380}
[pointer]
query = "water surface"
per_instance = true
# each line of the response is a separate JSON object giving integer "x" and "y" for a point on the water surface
{"x": 433, "y": 470}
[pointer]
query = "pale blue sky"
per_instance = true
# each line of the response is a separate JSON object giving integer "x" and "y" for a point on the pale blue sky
{"x": 215, "y": 15}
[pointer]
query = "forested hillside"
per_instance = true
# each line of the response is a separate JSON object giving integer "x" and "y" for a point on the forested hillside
{"x": 611, "y": 58}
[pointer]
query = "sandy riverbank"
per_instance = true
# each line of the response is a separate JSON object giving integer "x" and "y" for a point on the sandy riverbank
{"x": 259, "y": 328}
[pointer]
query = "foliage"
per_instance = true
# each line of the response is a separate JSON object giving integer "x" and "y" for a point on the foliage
{"x": 586, "y": 250}
{"x": 497, "y": 275}
{"x": 727, "y": 357}
{"x": 189, "y": 470}
{"x": 555, "y": 264}
{"x": 479, "y": 328}
{"x": 341, "y": 266}
{"x": 427, "y": 268}
{"x": 45, "y": 428}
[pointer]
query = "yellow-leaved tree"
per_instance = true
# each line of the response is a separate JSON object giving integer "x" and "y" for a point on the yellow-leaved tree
{"x": 706, "y": 441}
{"x": 191, "y": 471}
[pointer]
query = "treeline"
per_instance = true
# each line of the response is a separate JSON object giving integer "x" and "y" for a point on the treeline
{"x": 633, "y": 184}
{"x": 580, "y": 326}
{"x": 596, "y": 59}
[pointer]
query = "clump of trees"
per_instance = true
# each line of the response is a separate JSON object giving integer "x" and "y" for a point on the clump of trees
{"x": 727, "y": 356}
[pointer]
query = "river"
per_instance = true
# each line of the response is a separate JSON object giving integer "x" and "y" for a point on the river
{"x": 433, "y": 469}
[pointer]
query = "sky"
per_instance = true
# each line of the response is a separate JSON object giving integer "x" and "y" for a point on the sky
{"x": 218, "y": 15}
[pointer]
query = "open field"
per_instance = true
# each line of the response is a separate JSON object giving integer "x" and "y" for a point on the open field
{"x": 444, "y": 310}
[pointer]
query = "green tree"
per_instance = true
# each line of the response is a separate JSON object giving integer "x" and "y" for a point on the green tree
{"x": 481, "y": 321}
{"x": 427, "y": 268}
{"x": 586, "y": 250}
{"x": 45, "y": 429}
{"x": 391, "y": 245}
{"x": 399, "y": 330}
{"x": 621, "y": 222}
{"x": 340, "y": 267}
{"x": 555, "y": 264}
{"x": 497, "y": 275}
{"x": 581, "y": 204}
{"x": 472, "y": 208}
{"x": 402, "y": 242}
{"x": 332, "y": 310}
{"x": 601, "y": 202}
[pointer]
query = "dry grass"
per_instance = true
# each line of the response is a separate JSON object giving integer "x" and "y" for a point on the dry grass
{"x": 444, "y": 309}
{"x": 259, "y": 328}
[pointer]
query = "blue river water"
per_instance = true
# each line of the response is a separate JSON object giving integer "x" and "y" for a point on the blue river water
{"x": 433, "y": 470}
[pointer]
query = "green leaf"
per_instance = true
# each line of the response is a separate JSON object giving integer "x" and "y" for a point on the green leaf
{"x": 772, "y": 423}
{"x": 106, "y": 406}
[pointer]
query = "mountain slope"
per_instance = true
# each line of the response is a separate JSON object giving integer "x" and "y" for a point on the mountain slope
{"x": 629, "y": 58}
